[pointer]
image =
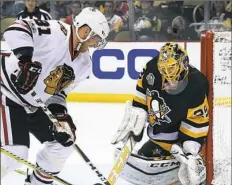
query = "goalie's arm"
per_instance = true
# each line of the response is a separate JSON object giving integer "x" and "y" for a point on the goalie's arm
{"x": 135, "y": 115}
{"x": 139, "y": 99}
{"x": 195, "y": 126}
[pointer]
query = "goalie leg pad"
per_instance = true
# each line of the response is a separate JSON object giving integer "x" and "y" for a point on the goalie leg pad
{"x": 141, "y": 170}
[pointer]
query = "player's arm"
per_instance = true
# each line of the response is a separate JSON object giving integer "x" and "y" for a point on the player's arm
{"x": 58, "y": 107}
{"x": 135, "y": 115}
{"x": 19, "y": 37}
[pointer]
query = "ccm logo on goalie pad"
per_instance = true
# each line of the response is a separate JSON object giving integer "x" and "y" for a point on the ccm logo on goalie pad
{"x": 166, "y": 164}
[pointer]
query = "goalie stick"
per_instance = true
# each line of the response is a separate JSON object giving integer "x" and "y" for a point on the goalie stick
{"x": 121, "y": 160}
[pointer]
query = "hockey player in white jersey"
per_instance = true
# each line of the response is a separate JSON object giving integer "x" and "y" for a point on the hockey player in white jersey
{"x": 50, "y": 58}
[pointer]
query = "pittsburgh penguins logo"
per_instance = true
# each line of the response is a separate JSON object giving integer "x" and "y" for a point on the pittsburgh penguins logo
{"x": 157, "y": 108}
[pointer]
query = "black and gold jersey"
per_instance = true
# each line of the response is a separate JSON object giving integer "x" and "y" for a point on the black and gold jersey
{"x": 173, "y": 118}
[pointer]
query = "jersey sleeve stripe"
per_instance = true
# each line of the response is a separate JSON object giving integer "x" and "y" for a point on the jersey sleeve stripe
{"x": 196, "y": 125}
{"x": 140, "y": 100}
{"x": 139, "y": 89}
{"x": 64, "y": 94}
{"x": 10, "y": 84}
{"x": 139, "y": 83}
{"x": 194, "y": 129}
{"x": 28, "y": 26}
{"x": 19, "y": 29}
{"x": 140, "y": 105}
{"x": 173, "y": 136}
{"x": 191, "y": 133}
{"x": 140, "y": 95}
{"x": 60, "y": 95}
{"x": 56, "y": 99}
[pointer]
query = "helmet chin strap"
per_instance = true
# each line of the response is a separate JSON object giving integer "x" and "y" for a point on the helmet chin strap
{"x": 82, "y": 40}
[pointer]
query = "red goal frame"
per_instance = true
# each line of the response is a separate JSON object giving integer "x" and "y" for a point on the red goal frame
{"x": 207, "y": 69}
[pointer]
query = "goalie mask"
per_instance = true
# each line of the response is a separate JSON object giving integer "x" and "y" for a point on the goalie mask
{"x": 98, "y": 24}
{"x": 173, "y": 65}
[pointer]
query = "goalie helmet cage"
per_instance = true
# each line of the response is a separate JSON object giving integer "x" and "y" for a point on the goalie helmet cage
{"x": 216, "y": 66}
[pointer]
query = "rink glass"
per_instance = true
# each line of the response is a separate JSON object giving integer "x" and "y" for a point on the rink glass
{"x": 159, "y": 20}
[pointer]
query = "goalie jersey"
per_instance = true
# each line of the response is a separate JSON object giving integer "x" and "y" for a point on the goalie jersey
{"x": 173, "y": 118}
{"x": 52, "y": 47}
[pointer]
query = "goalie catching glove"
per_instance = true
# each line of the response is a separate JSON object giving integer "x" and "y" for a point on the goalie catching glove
{"x": 192, "y": 169}
{"x": 65, "y": 133}
{"x": 133, "y": 123}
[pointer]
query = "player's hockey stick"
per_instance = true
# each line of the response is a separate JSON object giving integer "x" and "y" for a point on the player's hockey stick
{"x": 121, "y": 160}
{"x": 92, "y": 166}
{"x": 34, "y": 167}
{"x": 77, "y": 148}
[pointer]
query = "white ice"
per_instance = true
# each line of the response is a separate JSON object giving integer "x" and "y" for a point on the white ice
{"x": 96, "y": 123}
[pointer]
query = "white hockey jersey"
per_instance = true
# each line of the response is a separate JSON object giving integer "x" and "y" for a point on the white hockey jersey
{"x": 52, "y": 43}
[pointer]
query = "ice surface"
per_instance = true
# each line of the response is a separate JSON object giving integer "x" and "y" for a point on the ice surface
{"x": 96, "y": 123}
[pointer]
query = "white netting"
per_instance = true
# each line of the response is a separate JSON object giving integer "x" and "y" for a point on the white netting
{"x": 222, "y": 108}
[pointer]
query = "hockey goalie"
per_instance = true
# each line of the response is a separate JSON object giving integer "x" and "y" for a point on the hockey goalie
{"x": 171, "y": 105}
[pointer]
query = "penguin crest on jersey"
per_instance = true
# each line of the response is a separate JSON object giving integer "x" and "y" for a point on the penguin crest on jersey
{"x": 157, "y": 108}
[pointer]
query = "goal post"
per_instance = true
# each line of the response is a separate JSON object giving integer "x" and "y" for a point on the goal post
{"x": 216, "y": 66}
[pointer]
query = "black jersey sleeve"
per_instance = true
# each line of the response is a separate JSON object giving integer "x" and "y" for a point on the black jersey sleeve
{"x": 196, "y": 124}
{"x": 139, "y": 99}
{"x": 147, "y": 78}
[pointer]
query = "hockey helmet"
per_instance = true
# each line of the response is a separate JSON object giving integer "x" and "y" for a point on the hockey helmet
{"x": 173, "y": 64}
{"x": 93, "y": 18}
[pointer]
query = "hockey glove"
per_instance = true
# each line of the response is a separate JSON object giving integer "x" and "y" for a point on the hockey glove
{"x": 65, "y": 134}
{"x": 27, "y": 76}
{"x": 192, "y": 170}
{"x": 134, "y": 122}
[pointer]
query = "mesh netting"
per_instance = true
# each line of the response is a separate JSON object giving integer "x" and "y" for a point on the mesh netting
{"x": 222, "y": 108}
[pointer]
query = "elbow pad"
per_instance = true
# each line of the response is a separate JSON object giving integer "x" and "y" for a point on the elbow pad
{"x": 24, "y": 54}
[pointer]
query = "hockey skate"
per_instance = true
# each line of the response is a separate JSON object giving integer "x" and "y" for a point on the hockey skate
{"x": 28, "y": 179}
{"x": 28, "y": 182}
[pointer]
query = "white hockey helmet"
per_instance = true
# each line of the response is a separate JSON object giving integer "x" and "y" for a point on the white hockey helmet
{"x": 93, "y": 18}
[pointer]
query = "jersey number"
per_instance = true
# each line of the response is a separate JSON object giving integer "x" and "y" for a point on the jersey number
{"x": 43, "y": 27}
{"x": 202, "y": 112}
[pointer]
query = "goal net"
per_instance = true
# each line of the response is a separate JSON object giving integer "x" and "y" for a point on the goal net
{"x": 216, "y": 65}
